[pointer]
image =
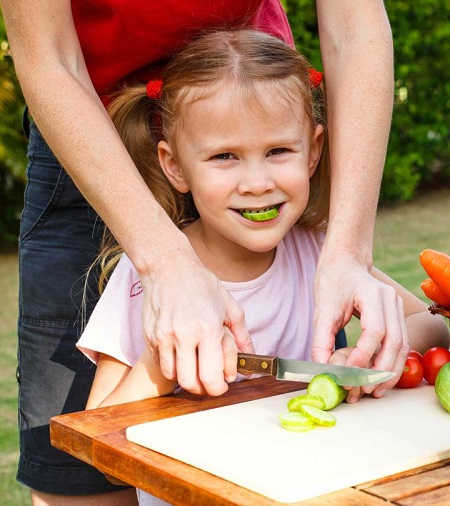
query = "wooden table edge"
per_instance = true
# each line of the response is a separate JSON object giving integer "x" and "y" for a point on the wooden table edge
{"x": 105, "y": 447}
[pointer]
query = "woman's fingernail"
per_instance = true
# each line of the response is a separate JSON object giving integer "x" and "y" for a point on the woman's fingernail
{"x": 380, "y": 393}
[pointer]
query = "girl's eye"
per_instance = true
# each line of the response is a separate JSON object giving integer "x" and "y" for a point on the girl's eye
{"x": 276, "y": 151}
{"x": 224, "y": 156}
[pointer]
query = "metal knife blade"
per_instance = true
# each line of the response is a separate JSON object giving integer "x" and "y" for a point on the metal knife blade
{"x": 297, "y": 370}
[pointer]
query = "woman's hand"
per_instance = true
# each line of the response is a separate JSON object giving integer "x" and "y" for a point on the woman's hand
{"x": 345, "y": 288}
{"x": 192, "y": 325}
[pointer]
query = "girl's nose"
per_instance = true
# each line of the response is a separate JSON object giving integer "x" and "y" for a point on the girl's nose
{"x": 256, "y": 179}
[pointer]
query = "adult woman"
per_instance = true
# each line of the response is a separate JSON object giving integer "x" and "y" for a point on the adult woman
{"x": 186, "y": 308}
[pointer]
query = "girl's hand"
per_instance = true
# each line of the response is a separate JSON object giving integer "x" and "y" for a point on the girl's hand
{"x": 339, "y": 357}
{"x": 192, "y": 325}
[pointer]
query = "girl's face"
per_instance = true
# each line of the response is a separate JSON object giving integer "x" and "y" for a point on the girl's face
{"x": 240, "y": 161}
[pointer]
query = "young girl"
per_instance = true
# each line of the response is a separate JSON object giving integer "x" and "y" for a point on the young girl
{"x": 232, "y": 143}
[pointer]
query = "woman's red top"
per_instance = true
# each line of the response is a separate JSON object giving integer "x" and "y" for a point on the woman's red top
{"x": 130, "y": 40}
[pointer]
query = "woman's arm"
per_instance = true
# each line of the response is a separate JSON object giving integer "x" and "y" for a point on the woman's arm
{"x": 58, "y": 90}
{"x": 357, "y": 54}
{"x": 185, "y": 305}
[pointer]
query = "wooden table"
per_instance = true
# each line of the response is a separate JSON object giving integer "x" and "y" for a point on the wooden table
{"x": 98, "y": 438}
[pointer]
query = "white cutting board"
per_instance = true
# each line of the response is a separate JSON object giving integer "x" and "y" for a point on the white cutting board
{"x": 245, "y": 444}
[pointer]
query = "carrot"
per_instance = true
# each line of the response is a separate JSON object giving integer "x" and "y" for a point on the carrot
{"x": 437, "y": 266}
{"x": 433, "y": 292}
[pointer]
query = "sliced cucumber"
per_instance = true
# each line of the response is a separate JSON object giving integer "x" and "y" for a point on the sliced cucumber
{"x": 324, "y": 386}
{"x": 296, "y": 403}
{"x": 319, "y": 416}
{"x": 296, "y": 422}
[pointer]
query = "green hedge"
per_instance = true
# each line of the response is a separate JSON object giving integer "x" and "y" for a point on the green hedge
{"x": 12, "y": 148}
{"x": 418, "y": 152}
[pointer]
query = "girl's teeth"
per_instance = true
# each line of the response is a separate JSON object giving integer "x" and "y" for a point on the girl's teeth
{"x": 257, "y": 211}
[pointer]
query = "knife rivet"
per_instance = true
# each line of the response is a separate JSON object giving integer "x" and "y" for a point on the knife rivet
{"x": 242, "y": 362}
{"x": 264, "y": 365}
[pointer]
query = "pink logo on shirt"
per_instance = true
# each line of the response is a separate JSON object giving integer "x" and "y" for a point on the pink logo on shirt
{"x": 136, "y": 289}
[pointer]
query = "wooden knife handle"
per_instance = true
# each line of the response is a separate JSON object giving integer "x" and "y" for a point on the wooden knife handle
{"x": 258, "y": 364}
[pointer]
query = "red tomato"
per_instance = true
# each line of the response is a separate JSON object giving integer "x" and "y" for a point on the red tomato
{"x": 412, "y": 374}
{"x": 415, "y": 354}
{"x": 432, "y": 361}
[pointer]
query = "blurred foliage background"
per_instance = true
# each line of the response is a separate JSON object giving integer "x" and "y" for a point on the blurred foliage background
{"x": 418, "y": 153}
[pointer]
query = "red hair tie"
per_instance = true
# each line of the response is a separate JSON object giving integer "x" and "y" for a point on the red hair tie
{"x": 315, "y": 78}
{"x": 154, "y": 89}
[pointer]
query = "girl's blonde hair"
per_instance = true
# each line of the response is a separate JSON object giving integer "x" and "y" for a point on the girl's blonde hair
{"x": 239, "y": 58}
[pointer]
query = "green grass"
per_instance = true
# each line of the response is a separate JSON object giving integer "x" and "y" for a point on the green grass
{"x": 402, "y": 232}
{"x": 12, "y": 493}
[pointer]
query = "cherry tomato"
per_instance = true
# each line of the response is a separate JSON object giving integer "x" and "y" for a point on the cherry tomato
{"x": 412, "y": 374}
{"x": 432, "y": 361}
{"x": 415, "y": 354}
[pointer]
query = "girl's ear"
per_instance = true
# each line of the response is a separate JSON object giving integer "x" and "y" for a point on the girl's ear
{"x": 316, "y": 149}
{"x": 171, "y": 169}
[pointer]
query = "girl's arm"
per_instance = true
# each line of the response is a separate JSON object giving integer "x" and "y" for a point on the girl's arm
{"x": 116, "y": 382}
{"x": 425, "y": 330}
{"x": 357, "y": 54}
{"x": 62, "y": 100}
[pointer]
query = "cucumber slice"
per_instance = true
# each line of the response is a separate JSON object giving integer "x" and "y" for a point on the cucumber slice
{"x": 319, "y": 416}
{"x": 296, "y": 403}
{"x": 323, "y": 385}
{"x": 261, "y": 215}
{"x": 296, "y": 422}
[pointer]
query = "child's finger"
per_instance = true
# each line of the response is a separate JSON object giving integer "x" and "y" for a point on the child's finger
{"x": 339, "y": 356}
{"x": 230, "y": 351}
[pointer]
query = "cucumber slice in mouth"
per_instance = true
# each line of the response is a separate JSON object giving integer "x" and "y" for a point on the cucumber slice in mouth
{"x": 260, "y": 215}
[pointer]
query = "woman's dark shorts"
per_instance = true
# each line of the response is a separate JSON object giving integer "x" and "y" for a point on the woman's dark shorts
{"x": 59, "y": 239}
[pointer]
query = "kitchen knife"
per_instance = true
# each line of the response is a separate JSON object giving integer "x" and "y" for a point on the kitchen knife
{"x": 296, "y": 370}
